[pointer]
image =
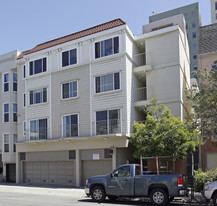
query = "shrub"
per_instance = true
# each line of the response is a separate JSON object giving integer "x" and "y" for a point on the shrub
{"x": 201, "y": 178}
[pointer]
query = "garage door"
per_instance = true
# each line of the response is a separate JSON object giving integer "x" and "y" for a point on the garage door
{"x": 95, "y": 167}
{"x": 211, "y": 161}
{"x": 57, "y": 172}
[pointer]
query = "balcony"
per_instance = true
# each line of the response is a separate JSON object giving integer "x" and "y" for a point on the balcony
{"x": 140, "y": 59}
{"x": 141, "y": 94}
{"x": 37, "y": 134}
{"x": 105, "y": 127}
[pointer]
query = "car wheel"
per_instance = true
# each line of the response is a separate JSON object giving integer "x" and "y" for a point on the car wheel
{"x": 112, "y": 198}
{"x": 159, "y": 197}
{"x": 98, "y": 194}
{"x": 215, "y": 200}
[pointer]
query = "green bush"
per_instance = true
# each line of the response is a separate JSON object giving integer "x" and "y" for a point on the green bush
{"x": 201, "y": 178}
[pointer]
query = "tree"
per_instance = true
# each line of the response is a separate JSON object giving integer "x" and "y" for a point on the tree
{"x": 162, "y": 134}
{"x": 204, "y": 103}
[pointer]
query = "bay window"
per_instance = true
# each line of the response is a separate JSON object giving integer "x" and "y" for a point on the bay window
{"x": 107, "y": 47}
{"x": 108, "y": 122}
{"x": 38, "y": 66}
{"x": 69, "y": 57}
{"x": 38, "y": 96}
{"x": 69, "y": 90}
{"x": 70, "y": 126}
{"x": 107, "y": 82}
{"x": 38, "y": 129}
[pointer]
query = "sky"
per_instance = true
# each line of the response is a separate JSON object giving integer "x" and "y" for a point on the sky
{"x": 27, "y": 23}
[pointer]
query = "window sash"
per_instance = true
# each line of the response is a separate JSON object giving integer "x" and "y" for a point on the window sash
{"x": 15, "y": 112}
{"x": 38, "y": 66}
{"x": 6, "y": 112}
{"x": 14, "y": 142}
{"x": 38, "y": 129}
{"x": 69, "y": 90}
{"x": 38, "y": 96}
{"x": 107, "y": 47}
{"x": 70, "y": 126}
{"x": 6, "y": 82}
{"x": 6, "y": 142}
{"x": 69, "y": 57}
{"x": 107, "y": 82}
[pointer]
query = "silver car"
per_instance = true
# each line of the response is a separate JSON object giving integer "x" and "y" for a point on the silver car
{"x": 210, "y": 192}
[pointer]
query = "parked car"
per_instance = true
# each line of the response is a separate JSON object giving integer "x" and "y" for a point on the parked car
{"x": 210, "y": 192}
{"x": 127, "y": 181}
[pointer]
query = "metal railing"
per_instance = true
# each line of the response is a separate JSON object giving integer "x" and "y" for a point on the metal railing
{"x": 69, "y": 130}
{"x": 141, "y": 94}
{"x": 41, "y": 133}
{"x": 112, "y": 126}
{"x": 140, "y": 59}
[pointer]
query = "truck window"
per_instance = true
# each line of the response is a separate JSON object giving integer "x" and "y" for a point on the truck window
{"x": 122, "y": 172}
{"x": 138, "y": 170}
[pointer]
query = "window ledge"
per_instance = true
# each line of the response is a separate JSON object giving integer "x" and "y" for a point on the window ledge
{"x": 108, "y": 92}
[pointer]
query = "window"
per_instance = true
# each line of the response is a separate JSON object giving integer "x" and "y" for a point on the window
{"x": 24, "y": 71}
{"x": 195, "y": 57}
{"x": 6, "y": 142}
{"x": 14, "y": 112}
{"x": 107, "y": 82}
{"x": 107, "y": 47}
{"x": 216, "y": 16}
{"x": 24, "y": 99}
{"x": 38, "y": 96}
{"x": 69, "y": 90}
{"x": 6, "y": 82}
{"x": 24, "y": 128}
{"x": 195, "y": 67}
{"x": 38, "y": 129}
{"x": 122, "y": 172}
{"x": 69, "y": 57}
{"x": 6, "y": 112}
{"x": 193, "y": 25}
{"x": 14, "y": 142}
{"x": 215, "y": 5}
{"x": 70, "y": 126}
{"x": 38, "y": 66}
{"x": 108, "y": 122}
{"x": 15, "y": 82}
{"x": 194, "y": 35}
{"x": 195, "y": 46}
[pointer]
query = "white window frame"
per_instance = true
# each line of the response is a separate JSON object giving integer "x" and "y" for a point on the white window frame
{"x": 63, "y": 125}
{"x": 6, "y": 112}
{"x": 15, "y": 82}
{"x": 8, "y": 82}
{"x": 69, "y": 91}
{"x": 24, "y": 128}
{"x": 14, "y": 142}
{"x": 103, "y": 40}
{"x": 113, "y": 90}
{"x": 34, "y": 91}
{"x": 33, "y": 60}
{"x": 6, "y": 143}
{"x": 38, "y": 127}
{"x": 68, "y": 50}
{"x": 15, "y": 112}
{"x": 110, "y": 109}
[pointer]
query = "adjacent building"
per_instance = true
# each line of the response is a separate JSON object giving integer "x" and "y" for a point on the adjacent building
{"x": 77, "y": 97}
{"x": 8, "y": 115}
{"x": 207, "y": 60}
{"x": 193, "y": 22}
{"x": 213, "y": 4}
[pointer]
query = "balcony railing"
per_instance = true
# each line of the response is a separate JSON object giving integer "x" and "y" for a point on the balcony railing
{"x": 141, "y": 94}
{"x": 69, "y": 130}
{"x": 42, "y": 133}
{"x": 103, "y": 127}
{"x": 140, "y": 59}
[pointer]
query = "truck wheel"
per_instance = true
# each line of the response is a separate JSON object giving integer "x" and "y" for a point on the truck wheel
{"x": 98, "y": 194}
{"x": 215, "y": 200}
{"x": 159, "y": 197}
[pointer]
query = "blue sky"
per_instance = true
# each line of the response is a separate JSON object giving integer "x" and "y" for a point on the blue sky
{"x": 26, "y": 23}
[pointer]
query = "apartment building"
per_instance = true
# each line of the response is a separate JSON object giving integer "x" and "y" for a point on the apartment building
{"x": 207, "y": 60}
{"x": 79, "y": 95}
{"x": 8, "y": 113}
{"x": 213, "y": 4}
{"x": 193, "y": 22}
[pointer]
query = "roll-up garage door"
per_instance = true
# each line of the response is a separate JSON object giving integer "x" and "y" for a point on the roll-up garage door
{"x": 95, "y": 167}
{"x": 211, "y": 161}
{"x": 52, "y": 172}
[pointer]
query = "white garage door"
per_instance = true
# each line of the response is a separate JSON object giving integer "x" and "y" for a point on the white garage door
{"x": 57, "y": 172}
{"x": 95, "y": 167}
{"x": 211, "y": 161}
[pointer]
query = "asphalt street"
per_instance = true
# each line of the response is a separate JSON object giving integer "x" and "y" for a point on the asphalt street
{"x": 26, "y": 195}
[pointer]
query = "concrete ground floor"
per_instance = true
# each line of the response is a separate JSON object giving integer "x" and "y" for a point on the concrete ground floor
{"x": 69, "y": 161}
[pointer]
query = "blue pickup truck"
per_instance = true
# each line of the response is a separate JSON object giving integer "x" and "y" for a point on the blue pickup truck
{"x": 127, "y": 181}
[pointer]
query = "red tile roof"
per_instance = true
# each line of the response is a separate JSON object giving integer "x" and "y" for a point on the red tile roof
{"x": 71, "y": 37}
